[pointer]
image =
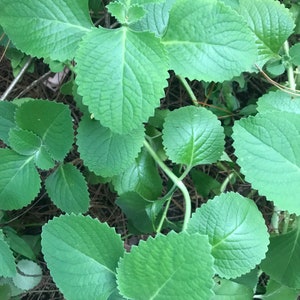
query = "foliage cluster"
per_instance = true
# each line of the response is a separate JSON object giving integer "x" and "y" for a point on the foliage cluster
{"x": 118, "y": 78}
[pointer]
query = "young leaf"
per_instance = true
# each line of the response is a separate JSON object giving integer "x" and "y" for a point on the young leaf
{"x": 192, "y": 136}
{"x": 67, "y": 189}
{"x": 282, "y": 261}
{"x": 51, "y": 121}
{"x": 211, "y": 37}
{"x": 7, "y": 120}
{"x": 271, "y": 24}
{"x": 46, "y": 29}
{"x": 104, "y": 152}
{"x": 28, "y": 276}
{"x": 236, "y": 231}
{"x": 7, "y": 260}
{"x": 142, "y": 177}
{"x": 268, "y": 144}
{"x": 19, "y": 180}
{"x": 125, "y": 85}
{"x": 82, "y": 255}
{"x": 167, "y": 267}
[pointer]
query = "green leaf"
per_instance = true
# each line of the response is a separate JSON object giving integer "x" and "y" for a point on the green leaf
{"x": 229, "y": 290}
{"x": 46, "y": 29}
{"x": 7, "y": 120}
{"x": 268, "y": 144}
{"x": 210, "y": 37}
{"x": 139, "y": 2}
{"x": 192, "y": 136}
{"x": 49, "y": 120}
{"x": 136, "y": 178}
{"x": 155, "y": 19}
{"x": 282, "y": 261}
{"x": 278, "y": 101}
{"x": 277, "y": 291}
{"x": 167, "y": 267}
{"x": 7, "y": 260}
{"x": 28, "y": 276}
{"x": 123, "y": 87}
{"x": 82, "y": 255}
{"x": 67, "y": 188}
{"x": 271, "y": 24}
{"x": 5, "y": 293}
{"x": 236, "y": 231}
{"x": 104, "y": 152}
{"x": 19, "y": 180}
{"x": 295, "y": 54}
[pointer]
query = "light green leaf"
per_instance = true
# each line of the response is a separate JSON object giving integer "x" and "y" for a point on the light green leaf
{"x": 28, "y": 276}
{"x": 49, "y": 120}
{"x": 122, "y": 88}
{"x": 295, "y": 54}
{"x": 19, "y": 180}
{"x": 229, "y": 290}
{"x": 82, "y": 255}
{"x": 141, "y": 177}
{"x": 268, "y": 151}
{"x": 67, "y": 188}
{"x": 7, "y": 120}
{"x": 156, "y": 18}
{"x": 192, "y": 136}
{"x": 236, "y": 231}
{"x": 282, "y": 262}
{"x": 7, "y": 260}
{"x": 271, "y": 24}
{"x": 104, "y": 152}
{"x": 277, "y": 291}
{"x": 139, "y": 2}
{"x": 278, "y": 101}
{"x": 210, "y": 37}
{"x": 46, "y": 29}
{"x": 167, "y": 267}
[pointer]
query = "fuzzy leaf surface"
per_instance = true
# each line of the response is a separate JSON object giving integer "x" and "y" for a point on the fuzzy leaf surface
{"x": 211, "y": 37}
{"x": 7, "y": 260}
{"x": 82, "y": 255}
{"x": 124, "y": 87}
{"x": 104, "y": 152}
{"x": 192, "y": 136}
{"x": 67, "y": 189}
{"x": 269, "y": 144}
{"x": 236, "y": 231}
{"x": 271, "y": 24}
{"x": 7, "y": 120}
{"x": 19, "y": 180}
{"x": 282, "y": 262}
{"x": 141, "y": 177}
{"x": 167, "y": 267}
{"x": 50, "y": 121}
{"x": 46, "y": 29}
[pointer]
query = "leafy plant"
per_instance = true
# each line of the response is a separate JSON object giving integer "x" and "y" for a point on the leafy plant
{"x": 121, "y": 73}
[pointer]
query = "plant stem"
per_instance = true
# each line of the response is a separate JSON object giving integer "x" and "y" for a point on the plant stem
{"x": 188, "y": 89}
{"x": 290, "y": 69}
{"x": 177, "y": 181}
{"x": 18, "y": 77}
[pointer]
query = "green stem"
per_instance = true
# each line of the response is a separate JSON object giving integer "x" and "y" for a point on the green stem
{"x": 290, "y": 69}
{"x": 188, "y": 89}
{"x": 177, "y": 181}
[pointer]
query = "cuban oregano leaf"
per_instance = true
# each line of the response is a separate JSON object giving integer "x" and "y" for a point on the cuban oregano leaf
{"x": 7, "y": 260}
{"x": 207, "y": 40}
{"x": 46, "y": 29}
{"x": 167, "y": 267}
{"x": 7, "y": 119}
{"x": 67, "y": 188}
{"x": 268, "y": 151}
{"x": 282, "y": 262}
{"x": 104, "y": 152}
{"x": 82, "y": 255}
{"x": 50, "y": 121}
{"x": 19, "y": 180}
{"x": 271, "y": 24}
{"x": 121, "y": 75}
{"x": 236, "y": 231}
{"x": 192, "y": 136}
